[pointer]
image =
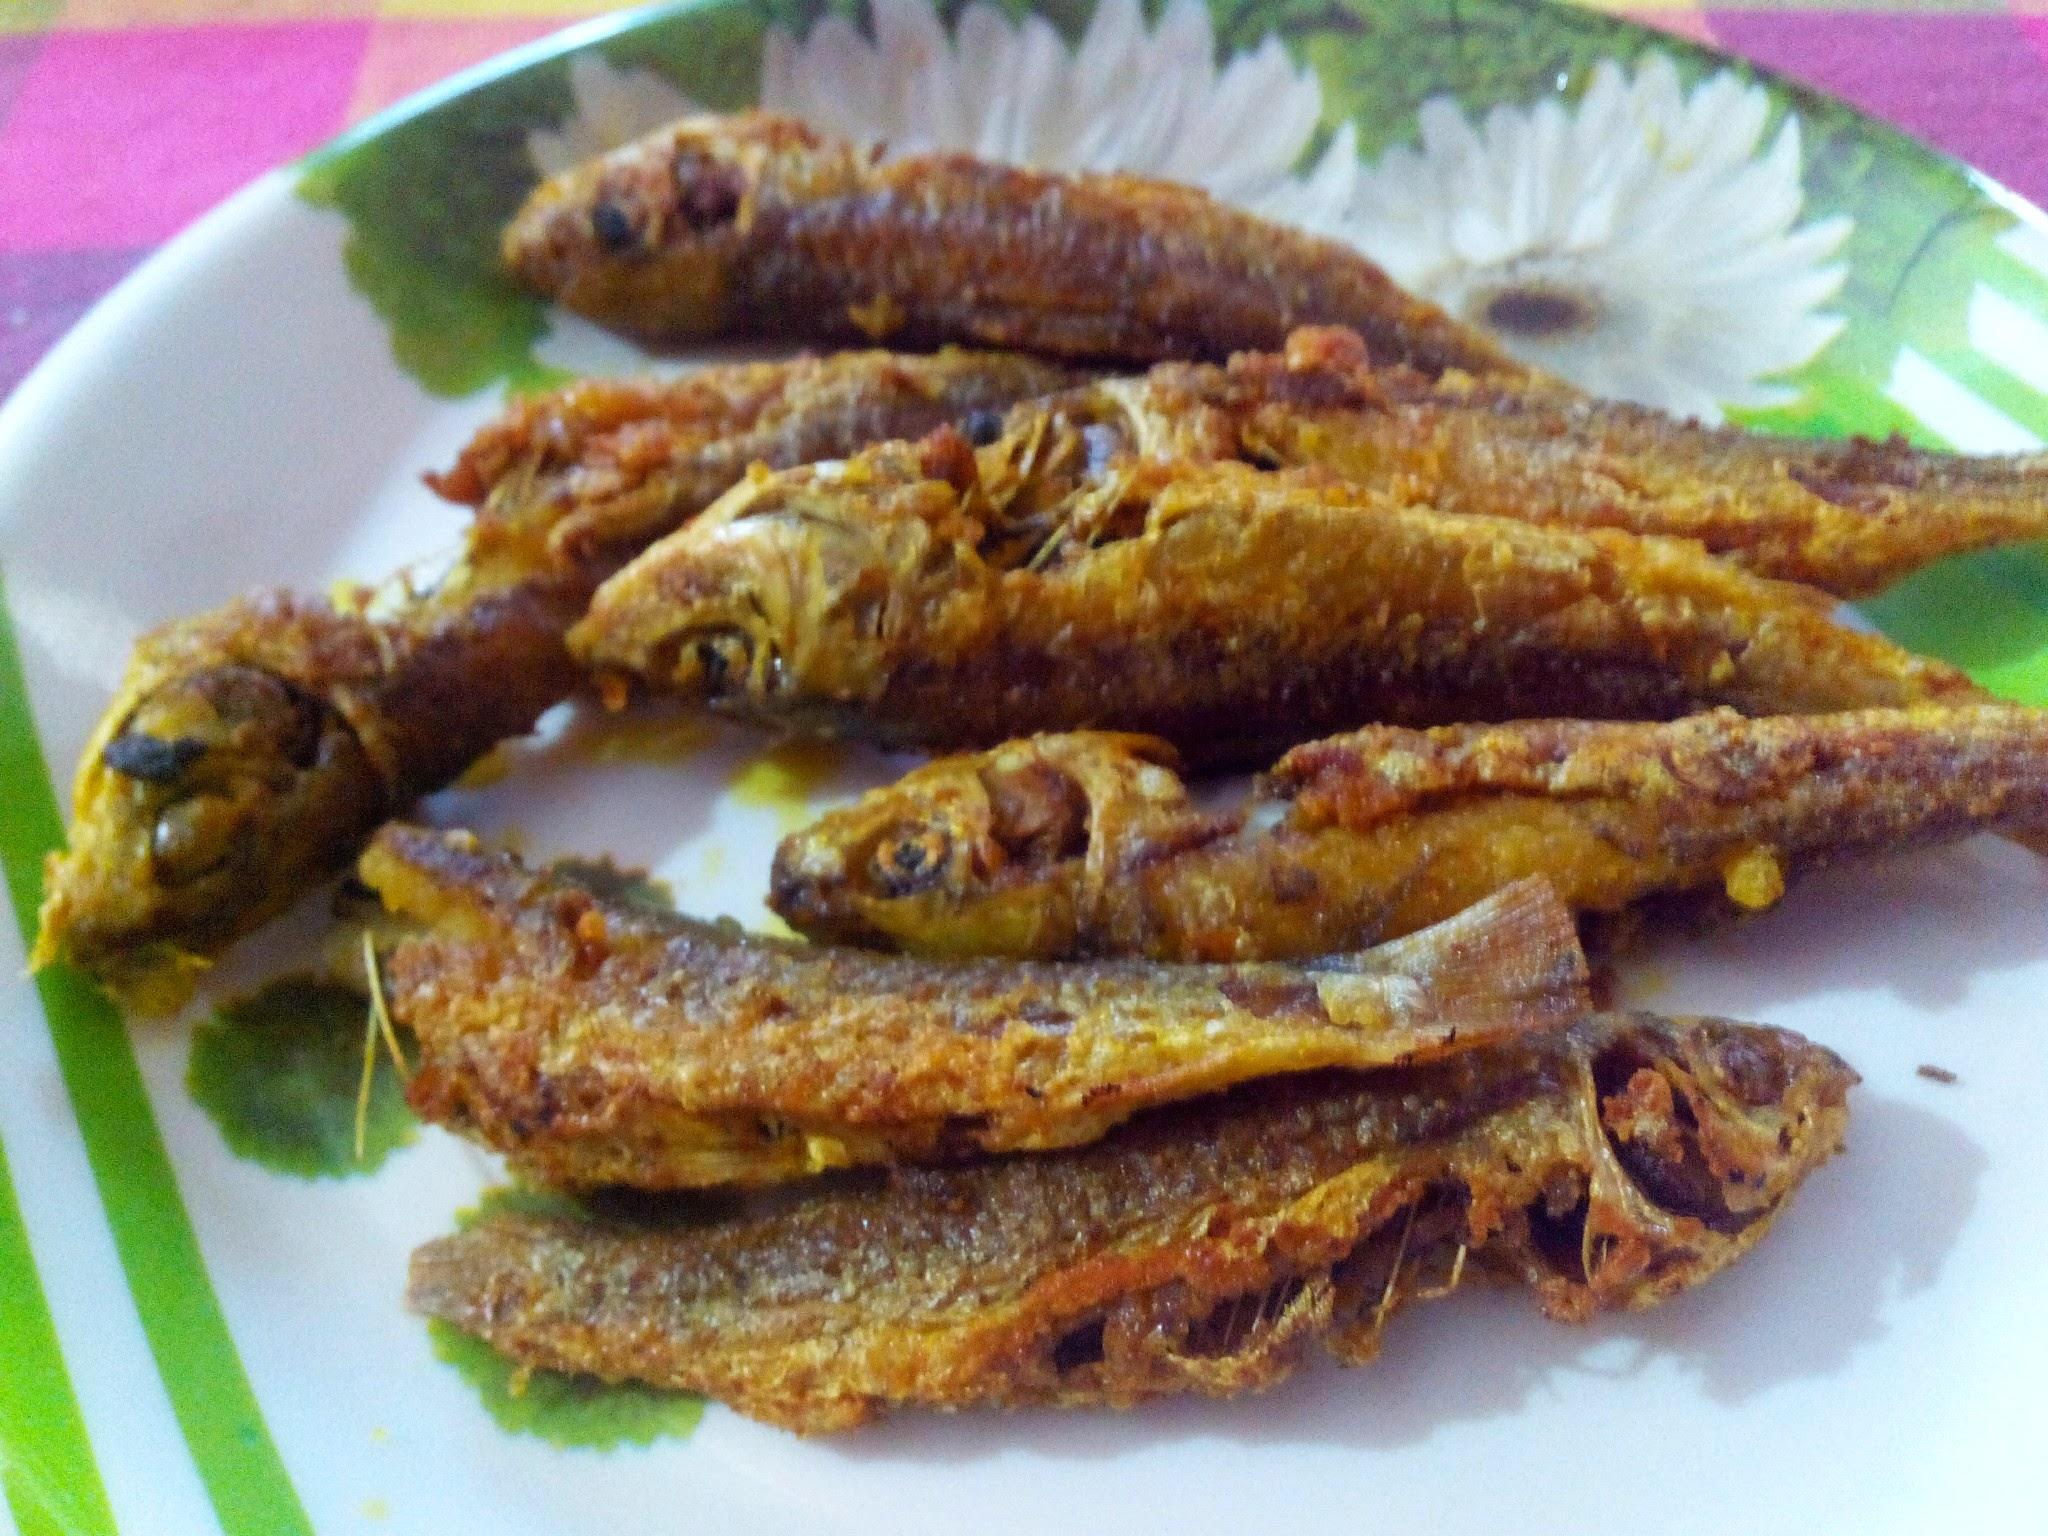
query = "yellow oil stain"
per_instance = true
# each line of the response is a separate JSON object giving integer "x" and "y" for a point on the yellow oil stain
{"x": 712, "y": 863}
{"x": 1638, "y": 985}
{"x": 768, "y": 925}
{"x": 376, "y": 1509}
{"x": 487, "y": 770}
{"x": 783, "y": 779}
{"x": 647, "y": 738}
{"x": 379, "y": 1434}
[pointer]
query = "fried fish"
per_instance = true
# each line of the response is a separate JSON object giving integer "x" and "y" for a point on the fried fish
{"x": 1090, "y": 844}
{"x": 915, "y": 595}
{"x": 596, "y": 1043}
{"x": 1848, "y": 517}
{"x": 755, "y": 225}
{"x": 620, "y": 462}
{"x": 250, "y": 750}
{"x": 1205, "y": 1248}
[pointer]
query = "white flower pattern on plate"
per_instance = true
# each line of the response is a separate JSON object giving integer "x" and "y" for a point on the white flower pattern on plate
{"x": 1636, "y": 243}
{"x": 1125, "y": 98}
{"x": 611, "y": 106}
{"x": 1639, "y": 242}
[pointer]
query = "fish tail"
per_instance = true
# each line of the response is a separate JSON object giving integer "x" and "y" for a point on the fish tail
{"x": 1508, "y": 963}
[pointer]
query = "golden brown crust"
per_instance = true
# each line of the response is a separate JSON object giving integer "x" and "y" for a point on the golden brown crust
{"x": 917, "y": 595}
{"x": 599, "y": 1044}
{"x": 268, "y": 737}
{"x": 1370, "y": 835}
{"x": 1205, "y": 1248}
{"x": 251, "y": 749}
{"x": 618, "y": 462}
{"x": 1849, "y": 517}
{"x": 755, "y": 225}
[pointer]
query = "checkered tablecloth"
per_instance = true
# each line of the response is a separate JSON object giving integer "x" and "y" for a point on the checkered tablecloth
{"x": 123, "y": 120}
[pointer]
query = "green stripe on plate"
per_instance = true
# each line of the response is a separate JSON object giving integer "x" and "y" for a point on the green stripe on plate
{"x": 2026, "y": 286}
{"x": 1998, "y": 389}
{"x": 1834, "y": 403}
{"x": 181, "y": 1317}
{"x": 51, "y": 1483}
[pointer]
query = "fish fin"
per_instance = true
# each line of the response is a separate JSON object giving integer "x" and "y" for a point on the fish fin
{"x": 1508, "y": 963}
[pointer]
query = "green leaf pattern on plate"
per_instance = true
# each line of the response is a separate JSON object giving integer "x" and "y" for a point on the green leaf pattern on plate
{"x": 425, "y": 197}
{"x": 573, "y": 1412}
{"x": 278, "y": 1072}
{"x": 426, "y": 194}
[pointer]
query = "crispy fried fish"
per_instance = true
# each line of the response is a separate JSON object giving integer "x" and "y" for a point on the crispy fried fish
{"x": 620, "y": 462}
{"x": 913, "y": 595}
{"x": 597, "y": 1043}
{"x": 1848, "y": 517}
{"x": 1203, "y": 1248}
{"x": 1090, "y": 844}
{"x": 250, "y": 750}
{"x": 755, "y": 225}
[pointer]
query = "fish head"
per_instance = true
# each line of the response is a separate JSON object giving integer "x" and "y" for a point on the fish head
{"x": 654, "y": 236}
{"x": 795, "y": 582}
{"x": 852, "y": 875}
{"x": 1698, "y": 1130}
{"x": 215, "y": 783}
{"x": 1716, "y": 1118}
{"x": 1080, "y": 469}
{"x": 975, "y": 853}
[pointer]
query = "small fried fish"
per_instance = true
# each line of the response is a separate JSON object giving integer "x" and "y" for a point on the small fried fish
{"x": 620, "y": 462}
{"x": 756, "y": 225}
{"x": 1090, "y": 844}
{"x": 596, "y": 1043}
{"x": 916, "y": 595}
{"x": 250, "y": 750}
{"x": 1848, "y": 517}
{"x": 1207, "y": 1248}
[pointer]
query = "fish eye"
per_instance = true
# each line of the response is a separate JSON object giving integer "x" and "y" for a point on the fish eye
{"x": 613, "y": 226}
{"x": 1747, "y": 1066}
{"x": 910, "y": 859}
{"x": 193, "y": 836}
{"x": 982, "y": 427}
{"x": 719, "y": 657}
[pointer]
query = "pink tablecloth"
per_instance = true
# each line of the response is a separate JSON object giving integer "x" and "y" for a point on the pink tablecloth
{"x": 122, "y": 120}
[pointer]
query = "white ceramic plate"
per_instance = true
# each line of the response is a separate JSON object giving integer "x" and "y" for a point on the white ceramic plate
{"x": 231, "y": 1338}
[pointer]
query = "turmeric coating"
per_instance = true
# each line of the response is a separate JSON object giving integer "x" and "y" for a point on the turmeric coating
{"x": 919, "y": 594}
{"x": 1090, "y": 844}
{"x": 1848, "y": 517}
{"x": 620, "y": 462}
{"x": 597, "y": 1043}
{"x": 249, "y": 751}
{"x": 756, "y": 225}
{"x": 1207, "y": 1248}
